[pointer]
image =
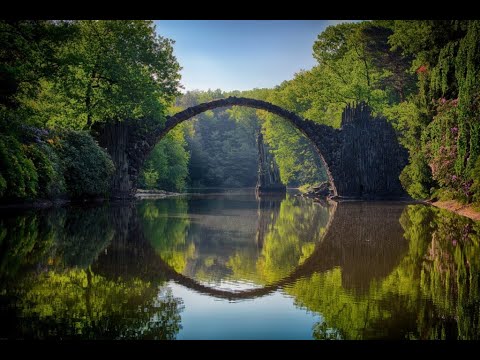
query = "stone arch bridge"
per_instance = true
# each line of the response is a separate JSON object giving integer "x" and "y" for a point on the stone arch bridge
{"x": 363, "y": 158}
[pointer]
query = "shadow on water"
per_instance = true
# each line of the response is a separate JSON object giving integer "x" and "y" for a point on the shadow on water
{"x": 370, "y": 270}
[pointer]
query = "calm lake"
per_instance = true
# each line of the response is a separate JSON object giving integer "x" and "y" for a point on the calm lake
{"x": 225, "y": 265}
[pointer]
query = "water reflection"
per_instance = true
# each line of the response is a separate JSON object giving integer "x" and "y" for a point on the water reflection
{"x": 50, "y": 289}
{"x": 361, "y": 270}
{"x": 431, "y": 294}
{"x": 236, "y": 243}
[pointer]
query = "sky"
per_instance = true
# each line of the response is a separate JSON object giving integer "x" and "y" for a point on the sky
{"x": 241, "y": 54}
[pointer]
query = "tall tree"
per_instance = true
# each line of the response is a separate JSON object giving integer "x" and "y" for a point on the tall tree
{"x": 114, "y": 70}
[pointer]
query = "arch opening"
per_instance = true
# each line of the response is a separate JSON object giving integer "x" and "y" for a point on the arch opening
{"x": 304, "y": 126}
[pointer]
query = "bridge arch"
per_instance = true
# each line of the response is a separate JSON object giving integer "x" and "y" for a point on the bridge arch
{"x": 363, "y": 159}
{"x": 295, "y": 120}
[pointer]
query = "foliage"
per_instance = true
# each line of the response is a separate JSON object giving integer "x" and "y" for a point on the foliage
{"x": 475, "y": 175}
{"x": 57, "y": 164}
{"x": 51, "y": 182}
{"x": 444, "y": 129}
{"x": 422, "y": 75}
{"x": 221, "y": 143}
{"x": 377, "y": 62}
{"x": 440, "y": 150}
{"x": 114, "y": 70}
{"x": 167, "y": 165}
{"x": 149, "y": 178}
{"x": 75, "y": 74}
{"x": 88, "y": 168}
{"x": 29, "y": 53}
{"x": 19, "y": 174}
{"x": 416, "y": 177}
{"x": 354, "y": 64}
{"x": 297, "y": 160}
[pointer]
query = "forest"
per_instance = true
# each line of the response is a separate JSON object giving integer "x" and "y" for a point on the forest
{"x": 62, "y": 81}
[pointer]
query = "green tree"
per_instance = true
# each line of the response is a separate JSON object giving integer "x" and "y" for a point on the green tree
{"x": 167, "y": 165}
{"x": 88, "y": 168}
{"x": 75, "y": 75}
{"x": 445, "y": 58}
{"x": 221, "y": 144}
{"x": 115, "y": 70}
{"x": 29, "y": 54}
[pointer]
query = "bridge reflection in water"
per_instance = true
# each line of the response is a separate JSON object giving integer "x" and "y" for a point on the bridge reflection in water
{"x": 364, "y": 239}
{"x": 368, "y": 269}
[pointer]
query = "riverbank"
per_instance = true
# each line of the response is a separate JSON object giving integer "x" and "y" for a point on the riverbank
{"x": 46, "y": 203}
{"x": 155, "y": 194}
{"x": 456, "y": 207}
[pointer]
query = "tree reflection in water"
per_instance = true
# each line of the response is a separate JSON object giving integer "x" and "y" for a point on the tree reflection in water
{"x": 51, "y": 290}
{"x": 431, "y": 294}
{"x": 254, "y": 242}
{"x": 369, "y": 270}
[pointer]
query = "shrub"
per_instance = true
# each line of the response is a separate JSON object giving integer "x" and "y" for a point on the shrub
{"x": 56, "y": 187}
{"x": 475, "y": 188}
{"x": 87, "y": 167}
{"x": 443, "y": 141}
{"x": 416, "y": 178}
{"x": 150, "y": 178}
{"x": 18, "y": 175}
{"x": 51, "y": 182}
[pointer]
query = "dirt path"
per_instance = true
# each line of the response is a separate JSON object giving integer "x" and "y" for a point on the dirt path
{"x": 452, "y": 205}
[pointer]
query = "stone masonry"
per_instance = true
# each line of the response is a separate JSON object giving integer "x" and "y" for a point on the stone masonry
{"x": 363, "y": 158}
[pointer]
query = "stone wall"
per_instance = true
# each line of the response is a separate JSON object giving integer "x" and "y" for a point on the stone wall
{"x": 364, "y": 156}
{"x": 268, "y": 177}
{"x": 128, "y": 143}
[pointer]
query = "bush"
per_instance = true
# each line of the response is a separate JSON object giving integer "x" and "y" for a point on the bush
{"x": 51, "y": 183}
{"x": 416, "y": 178}
{"x": 56, "y": 187}
{"x": 71, "y": 163}
{"x": 18, "y": 175}
{"x": 87, "y": 167}
{"x": 150, "y": 178}
{"x": 475, "y": 175}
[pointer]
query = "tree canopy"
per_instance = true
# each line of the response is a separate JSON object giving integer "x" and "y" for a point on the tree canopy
{"x": 61, "y": 76}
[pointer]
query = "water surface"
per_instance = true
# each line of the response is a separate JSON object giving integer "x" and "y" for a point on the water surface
{"x": 227, "y": 265}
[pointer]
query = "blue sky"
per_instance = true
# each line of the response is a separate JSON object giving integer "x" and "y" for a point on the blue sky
{"x": 241, "y": 54}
